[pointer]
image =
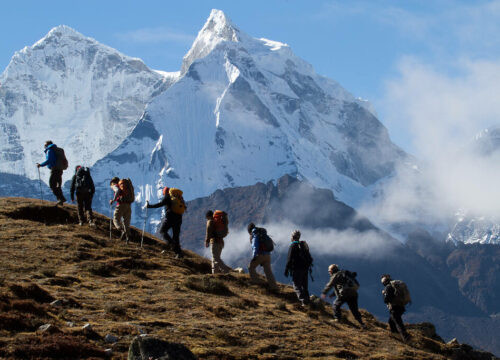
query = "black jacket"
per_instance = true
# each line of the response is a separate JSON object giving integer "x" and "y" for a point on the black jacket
{"x": 167, "y": 202}
{"x": 73, "y": 187}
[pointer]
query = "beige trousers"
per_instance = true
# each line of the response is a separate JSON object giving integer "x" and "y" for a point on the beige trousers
{"x": 122, "y": 216}
{"x": 218, "y": 265}
{"x": 263, "y": 260}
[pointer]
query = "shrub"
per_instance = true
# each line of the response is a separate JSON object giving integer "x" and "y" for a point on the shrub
{"x": 207, "y": 284}
{"x": 116, "y": 309}
{"x": 31, "y": 291}
{"x": 100, "y": 269}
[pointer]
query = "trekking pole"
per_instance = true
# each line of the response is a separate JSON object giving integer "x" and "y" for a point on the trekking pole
{"x": 40, "y": 183}
{"x": 110, "y": 213}
{"x": 144, "y": 226}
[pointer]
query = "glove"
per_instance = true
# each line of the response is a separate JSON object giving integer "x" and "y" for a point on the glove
{"x": 147, "y": 204}
{"x": 110, "y": 202}
{"x": 286, "y": 273}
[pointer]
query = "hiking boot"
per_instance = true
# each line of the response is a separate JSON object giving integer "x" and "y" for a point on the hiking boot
{"x": 92, "y": 224}
{"x": 60, "y": 202}
{"x": 80, "y": 223}
{"x": 122, "y": 235}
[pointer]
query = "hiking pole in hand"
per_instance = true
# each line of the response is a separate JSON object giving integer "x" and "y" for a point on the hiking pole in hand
{"x": 144, "y": 226}
{"x": 110, "y": 213}
{"x": 40, "y": 183}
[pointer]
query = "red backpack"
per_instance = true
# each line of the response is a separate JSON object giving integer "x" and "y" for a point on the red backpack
{"x": 221, "y": 223}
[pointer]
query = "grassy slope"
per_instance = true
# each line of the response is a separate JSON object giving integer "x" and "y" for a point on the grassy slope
{"x": 122, "y": 289}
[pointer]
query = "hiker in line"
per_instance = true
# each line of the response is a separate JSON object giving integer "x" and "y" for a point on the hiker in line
{"x": 262, "y": 245}
{"x": 217, "y": 229}
{"x": 123, "y": 211}
{"x": 345, "y": 288}
{"x": 56, "y": 161}
{"x": 396, "y": 296}
{"x": 174, "y": 208}
{"x": 298, "y": 265}
{"x": 83, "y": 184}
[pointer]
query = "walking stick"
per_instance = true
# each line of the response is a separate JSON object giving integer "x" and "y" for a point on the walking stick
{"x": 110, "y": 213}
{"x": 40, "y": 183}
{"x": 144, "y": 226}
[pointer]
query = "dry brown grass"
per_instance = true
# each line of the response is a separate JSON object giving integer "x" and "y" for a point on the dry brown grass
{"x": 125, "y": 290}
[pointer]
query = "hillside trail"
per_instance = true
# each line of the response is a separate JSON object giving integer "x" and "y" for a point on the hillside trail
{"x": 125, "y": 290}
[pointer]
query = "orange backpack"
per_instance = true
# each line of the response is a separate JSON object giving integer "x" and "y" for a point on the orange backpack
{"x": 221, "y": 223}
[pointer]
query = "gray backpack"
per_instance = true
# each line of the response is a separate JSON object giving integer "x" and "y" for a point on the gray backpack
{"x": 401, "y": 293}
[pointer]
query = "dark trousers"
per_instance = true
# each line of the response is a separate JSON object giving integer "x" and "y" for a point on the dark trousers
{"x": 300, "y": 285}
{"x": 174, "y": 224}
{"x": 84, "y": 201}
{"x": 352, "y": 302}
{"x": 55, "y": 183}
{"x": 395, "y": 320}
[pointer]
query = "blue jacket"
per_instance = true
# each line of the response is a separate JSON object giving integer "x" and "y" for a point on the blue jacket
{"x": 256, "y": 250}
{"x": 50, "y": 156}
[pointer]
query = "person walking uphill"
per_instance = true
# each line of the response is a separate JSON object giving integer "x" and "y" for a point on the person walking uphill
{"x": 345, "y": 287}
{"x": 396, "y": 296}
{"x": 217, "y": 229}
{"x": 262, "y": 245}
{"x": 83, "y": 184}
{"x": 56, "y": 161}
{"x": 124, "y": 197}
{"x": 174, "y": 209}
{"x": 298, "y": 264}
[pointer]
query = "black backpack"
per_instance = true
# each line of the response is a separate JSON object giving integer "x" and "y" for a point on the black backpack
{"x": 266, "y": 243}
{"x": 61, "y": 161}
{"x": 83, "y": 181}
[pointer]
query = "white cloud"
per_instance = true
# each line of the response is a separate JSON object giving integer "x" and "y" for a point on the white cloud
{"x": 350, "y": 243}
{"x": 156, "y": 35}
{"x": 443, "y": 113}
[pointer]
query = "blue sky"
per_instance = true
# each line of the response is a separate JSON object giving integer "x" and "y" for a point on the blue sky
{"x": 392, "y": 53}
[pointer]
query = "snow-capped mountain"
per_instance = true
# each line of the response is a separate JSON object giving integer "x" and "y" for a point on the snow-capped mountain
{"x": 85, "y": 96}
{"x": 247, "y": 110}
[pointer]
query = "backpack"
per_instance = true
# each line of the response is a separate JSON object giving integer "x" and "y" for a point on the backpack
{"x": 305, "y": 255}
{"x": 348, "y": 285}
{"x": 178, "y": 204}
{"x": 83, "y": 181}
{"x": 266, "y": 243}
{"x": 401, "y": 293}
{"x": 61, "y": 161}
{"x": 127, "y": 188}
{"x": 221, "y": 223}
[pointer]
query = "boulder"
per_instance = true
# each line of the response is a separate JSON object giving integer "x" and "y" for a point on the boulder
{"x": 148, "y": 347}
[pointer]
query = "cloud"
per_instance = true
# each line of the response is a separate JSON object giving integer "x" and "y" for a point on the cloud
{"x": 156, "y": 35}
{"x": 349, "y": 243}
{"x": 443, "y": 111}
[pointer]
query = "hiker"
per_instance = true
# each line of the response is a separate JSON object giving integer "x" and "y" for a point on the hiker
{"x": 396, "y": 296}
{"x": 217, "y": 229}
{"x": 262, "y": 245}
{"x": 56, "y": 161}
{"x": 124, "y": 196}
{"x": 298, "y": 265}
{"x": 83, "y": 184}
{"x": 174, "y": 208}
{"x": 345, "y": 288}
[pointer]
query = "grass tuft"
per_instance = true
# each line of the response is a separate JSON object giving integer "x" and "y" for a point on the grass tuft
{"x": 207, "y": 284}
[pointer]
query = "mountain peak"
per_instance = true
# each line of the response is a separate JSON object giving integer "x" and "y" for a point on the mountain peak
{"x": 218, "y": 28}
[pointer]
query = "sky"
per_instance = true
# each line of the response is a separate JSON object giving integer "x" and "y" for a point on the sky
{"x": 370, "y": 47}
